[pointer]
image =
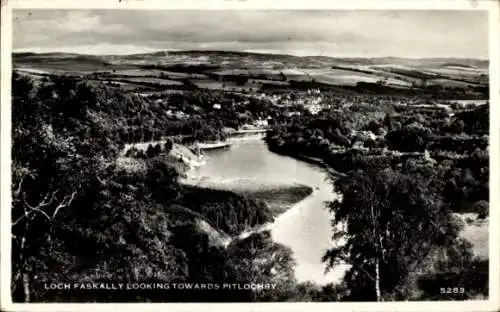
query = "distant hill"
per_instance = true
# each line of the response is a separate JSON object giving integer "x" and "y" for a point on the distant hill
{"x": 455, "y": 65}
{"x": 238, "y": 56}
{"x": 220, "y": 69}
{"x": 59, "y": 61}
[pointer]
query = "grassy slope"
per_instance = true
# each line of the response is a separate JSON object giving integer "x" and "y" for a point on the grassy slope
{"x": 348, "y": 72}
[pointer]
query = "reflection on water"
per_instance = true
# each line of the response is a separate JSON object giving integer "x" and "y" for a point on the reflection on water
{"x": 305, "y": 228}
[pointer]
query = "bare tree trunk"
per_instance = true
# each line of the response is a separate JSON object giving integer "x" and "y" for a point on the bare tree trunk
{"x": 377, "y": 280}
{"x": 26, "y": 287}
{"x": 377, "y": 239}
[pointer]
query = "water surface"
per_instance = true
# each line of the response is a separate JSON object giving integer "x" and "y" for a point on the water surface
{"x": 305, "y": 228}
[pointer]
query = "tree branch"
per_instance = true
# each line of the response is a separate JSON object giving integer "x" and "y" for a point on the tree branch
{"x": 20, "y": 218}
{"x": 18, "y": 189}
{"x": 38, "y": 210}
{"x": 44, "y": 203}
{"x": 65, "y": 202}
{"x": 359, "y": 267}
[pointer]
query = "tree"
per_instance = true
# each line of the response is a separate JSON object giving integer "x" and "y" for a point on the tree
{"x": 258, "y": 259}
{"x": 390, "y": 222}
{"x": 413, "y": 137}
{"x": 168, "y": 146}
{"x": 161, "y": 180}
{"x": 57, "y": 147}
{"x": 482, "y": 209}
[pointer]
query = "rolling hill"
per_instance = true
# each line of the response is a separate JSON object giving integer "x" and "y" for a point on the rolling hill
{"x": 215, "y": 69}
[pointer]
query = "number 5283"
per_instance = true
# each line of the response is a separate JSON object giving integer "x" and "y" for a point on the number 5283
{"x": 451, "y": 290}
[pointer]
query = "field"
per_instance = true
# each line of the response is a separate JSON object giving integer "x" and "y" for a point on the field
{"x": 476, "y": 232}
{"x": 159, "y": 81}
{"x": 221, "y": 70}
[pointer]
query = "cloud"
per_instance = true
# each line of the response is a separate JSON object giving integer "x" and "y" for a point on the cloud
{"x": 399, "y": 33}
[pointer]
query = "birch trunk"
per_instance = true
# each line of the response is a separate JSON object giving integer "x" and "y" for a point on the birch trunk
{"x": 377, "y": 280}
{"x": 376, "y": 235}
{"x": 26, "y": 287}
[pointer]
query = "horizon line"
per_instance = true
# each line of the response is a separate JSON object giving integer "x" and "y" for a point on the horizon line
{"x": 20, "y": 51}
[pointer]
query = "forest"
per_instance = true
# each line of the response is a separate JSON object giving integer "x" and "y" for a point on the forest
{"x": 78, "y": 216}
{"x": 406, "y": 180}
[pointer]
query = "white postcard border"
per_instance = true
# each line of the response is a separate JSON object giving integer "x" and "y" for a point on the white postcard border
{"x": 494, "y": 231}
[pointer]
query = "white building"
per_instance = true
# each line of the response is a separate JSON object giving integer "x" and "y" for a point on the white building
{"x": 314, "y": 108}
{"x": 261, "y": 123}
{"x": 294, "y": 113}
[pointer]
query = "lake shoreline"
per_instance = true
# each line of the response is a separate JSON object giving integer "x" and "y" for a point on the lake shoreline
{"x": 467, "y": 232}
{"x": 307, "y": 159}
{"x": 294, "y": 193}
{"x": 304, "y": 223}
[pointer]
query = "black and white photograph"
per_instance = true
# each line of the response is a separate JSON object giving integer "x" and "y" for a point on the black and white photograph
{"x": 248, "y": 156}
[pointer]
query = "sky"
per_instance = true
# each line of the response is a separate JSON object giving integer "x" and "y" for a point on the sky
{"x": 328, "y": 33}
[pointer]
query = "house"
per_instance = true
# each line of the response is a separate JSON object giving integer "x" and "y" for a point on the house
{"x": 314, "y": 108}
{"x": 196, "y": 108}
{"x": 261, "y": 123}
{"x": 293, "y": 113}
{"x": 313, "y": 91}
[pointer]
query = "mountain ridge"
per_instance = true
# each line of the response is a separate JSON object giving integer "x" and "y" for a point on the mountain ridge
{"x": 248, "y": 54}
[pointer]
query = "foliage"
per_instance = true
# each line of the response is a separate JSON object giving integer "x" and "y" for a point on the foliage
{"x": 409, "y": 138}
{"x": 79, "y": 218}
{"x": 259, "y": 260}
{"x": 391, "y": 221}
{"x": 230, "y": 212}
